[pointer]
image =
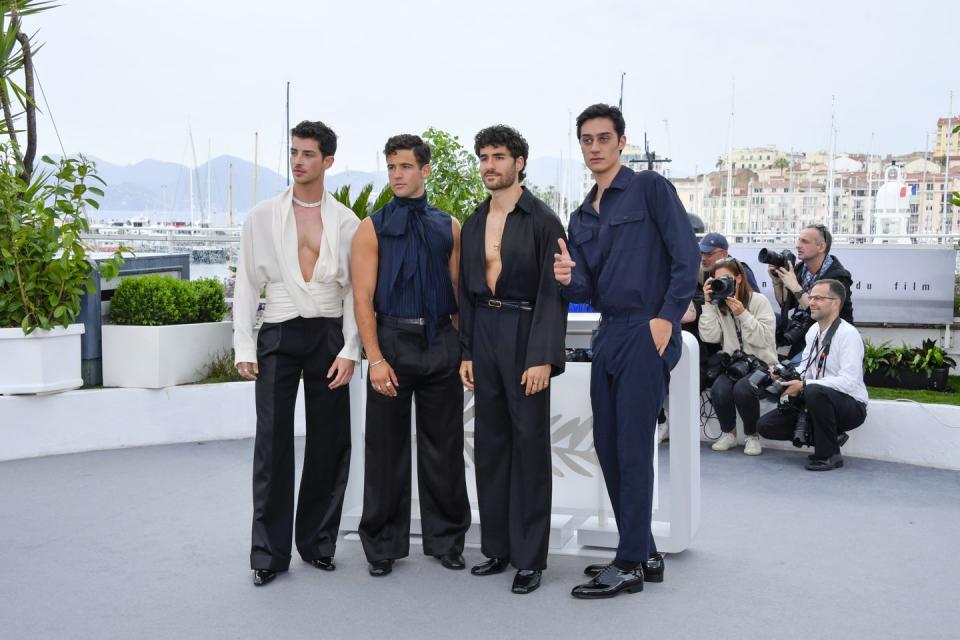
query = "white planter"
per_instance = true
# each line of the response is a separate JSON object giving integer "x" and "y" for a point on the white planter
{"x": 41, "y": 362}
{"x": 157, "y": 357}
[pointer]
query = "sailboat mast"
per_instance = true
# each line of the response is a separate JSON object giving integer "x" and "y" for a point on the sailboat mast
{"x": 230, "y": 194}
{"x": 256, "y": 146}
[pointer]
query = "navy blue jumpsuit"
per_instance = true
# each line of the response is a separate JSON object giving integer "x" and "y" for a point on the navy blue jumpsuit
{"x": 635, "y": 261}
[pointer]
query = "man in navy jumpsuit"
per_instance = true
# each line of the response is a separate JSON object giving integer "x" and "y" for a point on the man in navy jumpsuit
{"x": 632, "y": 254}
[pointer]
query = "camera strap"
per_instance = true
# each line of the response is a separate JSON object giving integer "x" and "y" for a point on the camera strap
{"x": 823, "y": 349}
{"x": 736, "y": 325}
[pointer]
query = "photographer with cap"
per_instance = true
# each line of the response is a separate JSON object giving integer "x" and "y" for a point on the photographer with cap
{"x": 792, "y": 284}
{"x": 742, "y": 322}
{"x": 830, "y": 393}
{"x": 713, "y": 248}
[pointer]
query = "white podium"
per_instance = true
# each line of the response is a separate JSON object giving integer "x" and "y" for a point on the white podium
{"x": 582, "y": 521}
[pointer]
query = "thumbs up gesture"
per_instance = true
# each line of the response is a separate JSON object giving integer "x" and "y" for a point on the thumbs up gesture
{"x": 562, "y": 264}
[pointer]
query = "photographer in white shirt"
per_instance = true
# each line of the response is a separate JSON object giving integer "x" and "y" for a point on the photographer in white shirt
{"x": 744, "y": 325}
{"x": 831, "y": 389}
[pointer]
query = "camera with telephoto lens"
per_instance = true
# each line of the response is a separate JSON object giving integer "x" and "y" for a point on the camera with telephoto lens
{"x": 772, "y": 388}
{"x": 769, "y": 387}
{"x": 778, "y": 259}
{"x": 743, "y": 364}
{"x": 794, "y": 332}
{"x": 722, "y": 288}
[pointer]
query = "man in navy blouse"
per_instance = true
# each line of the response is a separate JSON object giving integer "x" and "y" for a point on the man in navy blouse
{"x": 632, "y": 254}
{"x": 405, "y": 264}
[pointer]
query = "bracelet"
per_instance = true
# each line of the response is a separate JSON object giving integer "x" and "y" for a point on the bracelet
{"x": 373, "y": 364}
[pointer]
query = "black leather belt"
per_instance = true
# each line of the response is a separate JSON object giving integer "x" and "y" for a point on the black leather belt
{"x": 391, "y": 321}
{"x": 494, "y": 303}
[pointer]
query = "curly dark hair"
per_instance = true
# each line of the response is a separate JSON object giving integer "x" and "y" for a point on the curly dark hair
{"x": 421, "y": 150}
{"x": 601, "y": 110}
{"x": 324, "y": 135}
{"x": 501, "y": 134}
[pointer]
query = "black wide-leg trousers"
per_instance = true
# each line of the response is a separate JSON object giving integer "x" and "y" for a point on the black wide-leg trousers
{"x": 285, "y": 351}
{"x": 512, "y": 442}
{"x": 427, "y": 374}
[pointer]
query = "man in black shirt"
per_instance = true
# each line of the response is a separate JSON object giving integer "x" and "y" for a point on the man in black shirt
{"x": 512, "y": 332}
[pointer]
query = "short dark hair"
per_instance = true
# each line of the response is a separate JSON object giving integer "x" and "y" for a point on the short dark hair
{"x": 601, "y": 110}
{"x": 836, "y": 288}
{"x": 824, "y": 234}
{"x": 501, "y": 134}
{"x": 408, "y": 141}
{"x": 324, "y": 135}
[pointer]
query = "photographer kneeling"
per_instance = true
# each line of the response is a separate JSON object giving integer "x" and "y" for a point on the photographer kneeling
{"x": 742, "y": 321}
{"x": 830, "y": 397}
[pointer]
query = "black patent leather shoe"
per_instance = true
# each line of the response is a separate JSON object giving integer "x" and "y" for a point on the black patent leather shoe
{"x": 325, "y": 563}
{"x": 652, "y": 569}
{"x": 819, "y": 464}
{"x": 526, "y": 581}
{"x": 490, "y": 567}
{"x": 380, "y": 568}
{"x": 452, "y": 561}
{"x": 609, "y": 583}
{"x": 263, "y": 576}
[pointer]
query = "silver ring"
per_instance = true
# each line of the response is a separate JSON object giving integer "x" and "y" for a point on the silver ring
{"x": 389, "y": 384}
{"x": 377, "y": 387}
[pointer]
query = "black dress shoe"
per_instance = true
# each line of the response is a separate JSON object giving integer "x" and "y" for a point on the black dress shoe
{"x": 263, "y": 576}
{"x": 526, "y": 581}
{"x": 380, "y": 568}
{"x": 652, "y": 569}
{"x": 325, "y": 563}
{"x": 609, "y": 583}
{"x": 452, "y": 561}
{"x": 819, "y": 464}
{"x": 490, "y": 567}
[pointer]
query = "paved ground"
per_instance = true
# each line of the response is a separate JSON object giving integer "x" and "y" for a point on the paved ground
{"x": 152, "y": 543}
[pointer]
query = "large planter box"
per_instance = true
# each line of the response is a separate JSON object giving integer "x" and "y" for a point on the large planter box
{"x": 41, "y": 362}
{"x": 906, "y": 378}
{"x": 157, "y": 357}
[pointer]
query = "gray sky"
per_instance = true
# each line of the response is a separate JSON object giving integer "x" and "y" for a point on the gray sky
{"x": 125, "y": 79}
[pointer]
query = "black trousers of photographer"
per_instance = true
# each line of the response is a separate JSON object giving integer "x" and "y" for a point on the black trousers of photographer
{"x": 729, "y": 398}
{"x": 512, "y": 442}
{"x": 286, "y": 350}
{"x": 829, "y": 412}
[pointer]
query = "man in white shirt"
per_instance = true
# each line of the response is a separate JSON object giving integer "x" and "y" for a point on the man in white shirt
{"x": 834, "y": 396}
{"x": 296, "y": 248}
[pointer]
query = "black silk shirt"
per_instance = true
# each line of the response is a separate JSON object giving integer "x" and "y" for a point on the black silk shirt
{"x": 526, "y": 254}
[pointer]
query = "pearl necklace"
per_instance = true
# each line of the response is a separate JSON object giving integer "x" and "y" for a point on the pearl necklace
{"x": 309, "y": 205}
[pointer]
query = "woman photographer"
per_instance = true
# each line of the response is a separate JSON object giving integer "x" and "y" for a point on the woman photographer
{"x": 742, "y": 322}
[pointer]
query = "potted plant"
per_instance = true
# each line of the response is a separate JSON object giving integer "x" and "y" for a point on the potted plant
{"x": 165, "y": 331}
{"x": 905, "y": 367}
{"x": 44, "y": 268}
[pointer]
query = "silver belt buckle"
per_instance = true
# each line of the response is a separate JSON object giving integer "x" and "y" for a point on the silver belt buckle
{"x": 496, "y": 304}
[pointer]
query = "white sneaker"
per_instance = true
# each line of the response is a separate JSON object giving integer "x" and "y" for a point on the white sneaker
{"x": 752, "y": 446}
{"x": 726, "y": 441}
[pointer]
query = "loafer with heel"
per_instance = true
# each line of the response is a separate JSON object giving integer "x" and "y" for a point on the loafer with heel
{"x": 490, "y": 567}
{"x": 452, "y": 561}
{"x": 610, "y": 582}
{"x": 526, "y": 581}
{"x": 325, "y": 563}
{"x": 263, "y": 576}
{"x": 652, "y": 569}
{"x": 380, "y": 568}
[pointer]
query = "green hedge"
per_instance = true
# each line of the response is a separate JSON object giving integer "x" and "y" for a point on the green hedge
{"x": 160, "y": 300}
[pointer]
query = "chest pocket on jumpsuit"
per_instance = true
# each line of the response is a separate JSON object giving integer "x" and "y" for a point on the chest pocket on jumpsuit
{"x": 630, "y": 230}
